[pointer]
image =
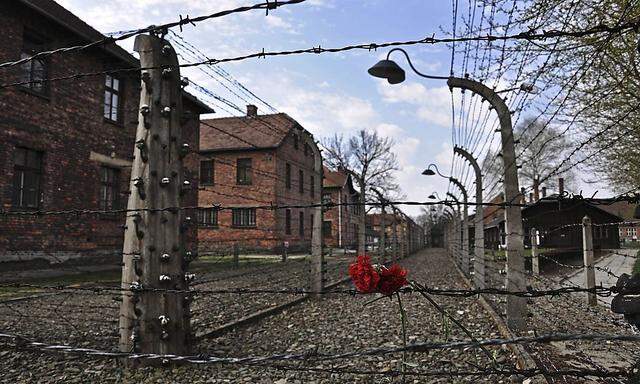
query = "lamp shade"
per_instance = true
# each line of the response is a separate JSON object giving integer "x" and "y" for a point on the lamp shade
{"x": 428, "y": 172}
{"x": 388, "y": 69}
{"x": 432, "y": 197}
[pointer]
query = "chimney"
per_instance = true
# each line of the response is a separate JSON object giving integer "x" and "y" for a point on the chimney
{"x": 536, "y": 188}
{"x": 544, "y": 191}
{"x": 531, "y": 197}
{"x": 523, "y": 196}
{"x": 561, "y": 186}
{"x": 252, "y": 110}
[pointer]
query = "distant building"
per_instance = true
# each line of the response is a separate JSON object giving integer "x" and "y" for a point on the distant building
{"x": 629, "y": 227}
{"x": 257, "y": 161}
{"x": 340, "y": 228}
{"x": 68, "y": 145}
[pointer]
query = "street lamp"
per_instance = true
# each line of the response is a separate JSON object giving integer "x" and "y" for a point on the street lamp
{"x": 516, "y": 306}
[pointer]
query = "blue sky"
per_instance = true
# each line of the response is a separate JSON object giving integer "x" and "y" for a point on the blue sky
{"x": 329, "y": 93}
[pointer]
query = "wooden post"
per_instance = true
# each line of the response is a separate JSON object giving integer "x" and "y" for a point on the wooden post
{"x": 589, "y": 271}
{"x": 154, "y": 254}
{"x": 383, "y": 234}
{"x": 317, "y": 252}
{"x": 236, "y": 255}
{"x": 394, "y": 255}
{"x": 535, "y": 262}
{"x": 285, "y": 246}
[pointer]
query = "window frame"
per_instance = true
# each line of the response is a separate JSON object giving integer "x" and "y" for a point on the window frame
{"x": 243, "y": 218}
{"x": 208, "y": 217}
{"x": 109, "y": 89}
{"x": 18, "y": 193}
{"x": 211, "y": 179}
{"x": 32, "y": 44}
{"x": 244, "y": 173}
{"x": 301, "y": 224}
{"x": 112, "y": 185}
{"x": 300, "y": 181}
{"x": 287, "y": 175}
{"x": 327, "y": 224}
{"x": 312, "y": 185}
{"x": 287, "y": 221}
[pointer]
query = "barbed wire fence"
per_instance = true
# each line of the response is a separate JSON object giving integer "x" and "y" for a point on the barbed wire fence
{"x": 89, "y": 312}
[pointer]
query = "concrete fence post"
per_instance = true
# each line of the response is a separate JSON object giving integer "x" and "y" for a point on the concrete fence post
{"x": 589, "y": 271}
{"x": 535, "y": 262}
{"x": 153, "y": 320}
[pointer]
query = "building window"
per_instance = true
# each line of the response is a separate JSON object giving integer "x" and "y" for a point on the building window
{"x": 34, "y": 71}
{"x": 109, "y": 188}
{"x": 287, "y": 175}
{"x": 301, "y": 178}
{"x": 326, "y": 198}
{"x": 287, "y": 221}
{"x": 311, "y": 223}
{"x": 326, "y": 229}
{"x": 206, "y": 172}
{"x": 312, "y": 186}
{"x": 296, "y": 140}
{"x": 244, "y": 217}
{"x": 27, "y": 178}
{"x": 306, "y": 149}
{"x": 301, "y": 224}
{"x": 243, "y": 171}
{"x": 208, "y": 217}
{"x": 112, "y": 99}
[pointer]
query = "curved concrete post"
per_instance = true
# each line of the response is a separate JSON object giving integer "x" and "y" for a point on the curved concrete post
{"x": 457, "y": 228}
{"x": 515, "y": 281}
{"x": 478, "y": 225}
{"x": 464, "y": 260}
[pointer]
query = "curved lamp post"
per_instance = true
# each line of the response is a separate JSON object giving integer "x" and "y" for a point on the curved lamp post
{"x": 478, "y": 226}
{"x": 516, "y": 306}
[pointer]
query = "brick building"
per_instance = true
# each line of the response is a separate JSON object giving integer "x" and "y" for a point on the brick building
{"x": 257, "y": 160}
{"x": 67, "y": 144}
{"x": 340, "y": 228}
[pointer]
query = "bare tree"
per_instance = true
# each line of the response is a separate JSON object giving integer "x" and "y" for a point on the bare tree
{"x": 541, "y": 148}
{"x": 370, "y": 161}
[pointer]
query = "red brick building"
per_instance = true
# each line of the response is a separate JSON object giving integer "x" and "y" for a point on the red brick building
{"x": 257, "y": 160}
{"x": 67, "y": 144}
{"x": 340, "y": 228}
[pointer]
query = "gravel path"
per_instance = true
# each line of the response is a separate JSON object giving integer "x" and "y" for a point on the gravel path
{"x": 337, "y": 323}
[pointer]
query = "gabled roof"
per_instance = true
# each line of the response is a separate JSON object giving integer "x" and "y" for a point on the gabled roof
{"x": 60, "y": 15}
{"x": 63, "y": 17}
{"x": 622, "y": 209}
{"x": 553, "y": 199}
{"x": 334, "y": 179}
{"x": 338, "y": 179}
{"x": 246, "y": 132}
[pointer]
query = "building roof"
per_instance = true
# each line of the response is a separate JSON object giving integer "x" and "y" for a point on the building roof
{"x": 623, "y": 209}
{"x": 63, "y": 17}
{"x": 246, "y": 132}
{"x": 334, "y": 179}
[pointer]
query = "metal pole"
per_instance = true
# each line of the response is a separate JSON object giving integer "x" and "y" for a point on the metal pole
{"x": 535, "y": 261}
{"x": 154, "y": 254}
{"x": 479, "y": 258}
{"x": 383, "y": 234}
{"x": 516, "y": 306}
{"x": 589, "y": 271}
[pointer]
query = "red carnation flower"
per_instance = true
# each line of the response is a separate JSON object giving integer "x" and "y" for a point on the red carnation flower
{"x": 392, "y": 279}
{"x": 364, "y": 276}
